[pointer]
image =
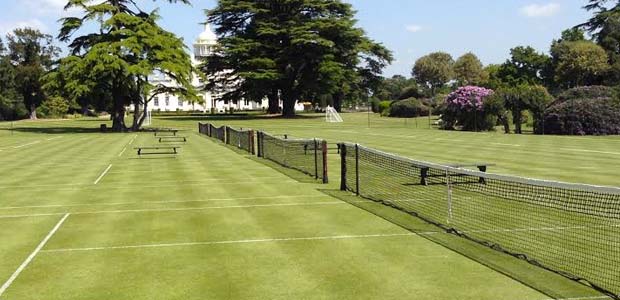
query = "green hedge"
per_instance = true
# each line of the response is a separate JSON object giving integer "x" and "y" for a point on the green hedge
{"x": 409, "y": 108}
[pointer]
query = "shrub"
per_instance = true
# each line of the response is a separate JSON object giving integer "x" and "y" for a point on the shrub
{"x": 384, "y": 107}
{"x": 583, "y": 117}
{"x": 465, "y": 108}
{"x": 409, "y": 108}
{"x": 587, "y": 92}
{"x": 54, "y": 107}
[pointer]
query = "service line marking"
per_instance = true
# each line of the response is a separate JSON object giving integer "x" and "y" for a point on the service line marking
{"x": 163, "y": 202}
{"x": 120, "y": 154}
{"x": 51, "y": 139}
{"x": 121, "y": 211}
{"x": 25, "y": 145}
{"x": 248, "y": 241}
{"x": 23, "y": 266}
{"x": 103, "y": 174}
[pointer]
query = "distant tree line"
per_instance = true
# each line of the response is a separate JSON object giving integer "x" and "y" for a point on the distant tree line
{"x": 529, "y": 86}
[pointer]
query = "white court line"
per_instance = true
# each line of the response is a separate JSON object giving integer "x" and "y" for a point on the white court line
{"x": 120, "y": 211}
{"x": 21, "y": 268}
{"x": 249, "y": 241}
{"x": 103, "y": 174}
{"x": 124, "y": 149}
{"x": 51, "y": 139}
{"x": 162, "y": 202}
{"x": 131, "y": 186}
{"x": 581, "y": 298}
{"x": 590, "y": 151}
{"x": 503, "y": 144}
{"x": 132, "y": 140}
{"x": 24, "y": 145}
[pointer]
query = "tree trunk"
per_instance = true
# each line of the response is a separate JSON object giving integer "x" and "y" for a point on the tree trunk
{"x": 504, "y": 120}
{"x": 118, "y": 114}
{"x": 288, "y": 103}
{"x": 338, "y": 97}
{"x": 135, "y": 126}
{"x": 518, "y": 121}
{"x": 274, "y": 102}
{"x": 33, "y": 112}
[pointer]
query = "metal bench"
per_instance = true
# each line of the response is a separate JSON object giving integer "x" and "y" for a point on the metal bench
{"x": 171, "y": 150}
{"x": 482, "y": 167}
{"x": 173, "y": 139}
{"x": 172, "y": 131}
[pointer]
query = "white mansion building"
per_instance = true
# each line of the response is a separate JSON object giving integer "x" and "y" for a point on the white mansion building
{"x": 169, "y": 102}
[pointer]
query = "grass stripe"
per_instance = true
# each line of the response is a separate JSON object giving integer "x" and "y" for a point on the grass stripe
{"x": 103, "y": 174}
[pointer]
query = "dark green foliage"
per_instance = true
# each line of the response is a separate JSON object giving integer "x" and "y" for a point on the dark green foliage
{"x": 291, "y": 50}
{"x": 408, "y": 108}
{"x": 32, "y": 55}
{"x": 598, "y": 116}
{"x": 588, "y": 92}
{"x": 526, "y": 66}
{"x": 109, "y": 67}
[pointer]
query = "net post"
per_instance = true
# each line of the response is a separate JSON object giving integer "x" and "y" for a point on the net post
{"x": 343, "y": 167}
{"x": 357, "y": 169}
{"x": 324, "y": 154}
{"x": 316, "y": 159}
{"x": 251, "y": 139}
{"x": 226, "y": 134}
{"x": 259, "y": 143}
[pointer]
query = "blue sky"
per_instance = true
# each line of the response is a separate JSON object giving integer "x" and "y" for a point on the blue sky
{"x": 410, "y": 28}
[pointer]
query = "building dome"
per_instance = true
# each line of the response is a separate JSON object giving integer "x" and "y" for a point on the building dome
{"x": 207, "y": 37}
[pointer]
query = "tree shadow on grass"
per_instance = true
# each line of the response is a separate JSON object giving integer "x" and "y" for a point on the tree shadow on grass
{"x": 207, "y": 118}
{"x": 54, "y": 130}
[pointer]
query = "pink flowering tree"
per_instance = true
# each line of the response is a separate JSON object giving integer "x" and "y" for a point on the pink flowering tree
{"x": 465, "y": 108}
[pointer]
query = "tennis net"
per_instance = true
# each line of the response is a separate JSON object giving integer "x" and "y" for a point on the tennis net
{"x": 242, "y": 139}
{"x": 570, "y": 229}
{"x": 305, "y": 155}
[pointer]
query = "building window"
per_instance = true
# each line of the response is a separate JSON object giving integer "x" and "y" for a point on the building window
{"x": 167, "y": 100}
{"x": 156, "y": 101}
{"x": 181, "y": 102}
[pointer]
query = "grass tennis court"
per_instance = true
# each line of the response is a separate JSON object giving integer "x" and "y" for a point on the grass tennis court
{"x": 212, "y": 223}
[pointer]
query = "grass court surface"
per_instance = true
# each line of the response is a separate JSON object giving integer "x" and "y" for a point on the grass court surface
{"x": 83, "y": 217}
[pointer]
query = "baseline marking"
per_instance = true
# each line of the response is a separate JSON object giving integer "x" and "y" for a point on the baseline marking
{"x": 21, "y": 268}
{"x": 103, "y": 174}
{"x": 590, "y": 151}
{"x": 51, "y": 139}
{"x": 25, "y": 145}
{"x": 250, "y": 241}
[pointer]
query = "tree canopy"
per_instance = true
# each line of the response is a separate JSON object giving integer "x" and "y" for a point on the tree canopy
{"x": 291, "y": 50}
{"x": 468, "y": 70}
{"x": 434, "y": 70}
{"x": 117, "y": 59}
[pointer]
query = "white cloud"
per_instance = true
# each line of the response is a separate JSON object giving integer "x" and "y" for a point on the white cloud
{"x": 414, "y": 28}
{"x": 48, "y": 7}
{"x": 7, "y": 27}
{"x": 540, "y": 10}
